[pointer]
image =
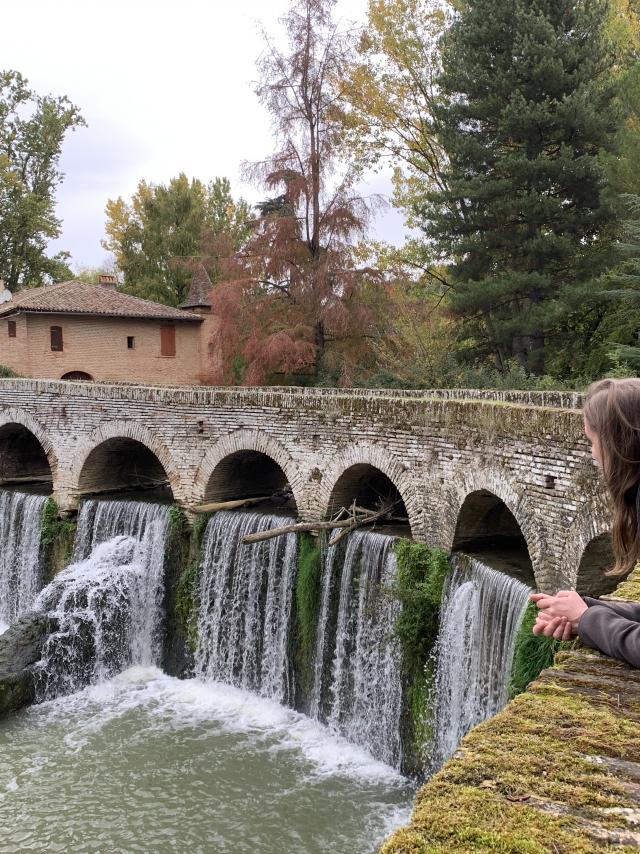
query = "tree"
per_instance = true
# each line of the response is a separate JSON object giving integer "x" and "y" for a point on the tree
{"x": 390, "y": 91}
{"x": 297, "y": 301}
{"x": 526, "y": 110}
{"x": 158, "y": 237}
{"x": 32, "y": 130}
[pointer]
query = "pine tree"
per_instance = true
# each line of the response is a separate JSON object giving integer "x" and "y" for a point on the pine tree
{"x": 527, "y": 108}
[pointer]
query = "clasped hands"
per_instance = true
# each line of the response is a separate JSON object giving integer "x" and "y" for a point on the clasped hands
{"x": 559, "y": 615}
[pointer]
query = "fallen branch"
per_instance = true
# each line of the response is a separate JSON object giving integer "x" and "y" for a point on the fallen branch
{"x": 214, "y": 506}
{"x": 358, "y": 523}
{"x": 347, "y": 525}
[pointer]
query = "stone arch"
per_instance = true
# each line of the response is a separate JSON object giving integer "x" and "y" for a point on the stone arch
{"x": 124, "y": 440}
{"x": 586, "y": 549}
{"x": 230, "y": 454}
{"x": 26, "y": 450}
{"x": 346, "y": 469}
{"x": 487, "y": 517}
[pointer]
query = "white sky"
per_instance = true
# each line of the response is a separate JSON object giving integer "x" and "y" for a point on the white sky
{"x": 165, "y": 87}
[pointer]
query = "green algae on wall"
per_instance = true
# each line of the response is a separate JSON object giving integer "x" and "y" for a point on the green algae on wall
{"x": 419, "y": 585}
{"x": 57, "y": 540}
{"x": 187, "y": 587}
{"x": 307, "y": 595}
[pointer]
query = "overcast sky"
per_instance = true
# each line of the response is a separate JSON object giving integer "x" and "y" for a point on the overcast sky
{"x": 165, "y": 87}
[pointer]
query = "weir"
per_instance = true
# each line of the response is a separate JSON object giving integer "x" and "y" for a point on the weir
{"x": 481, "y": 613}
{"x": 20, "y": 559}
{"x": 246, "y": 594}
{"x": 357, "y": 675}
{"x": 105, "y": 606}
{"x": 111, "y": 609}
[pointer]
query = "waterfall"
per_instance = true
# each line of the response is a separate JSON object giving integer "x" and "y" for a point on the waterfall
{"x": 481, "y": 613}
{"x": 20, "y": 567}
{"x": 106, "y": 606}
{"x": 360, "y": 693}
{"x": 246, "y": 593}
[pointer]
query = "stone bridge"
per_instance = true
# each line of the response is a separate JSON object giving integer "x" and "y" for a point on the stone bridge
{"x": 505, "y": 473}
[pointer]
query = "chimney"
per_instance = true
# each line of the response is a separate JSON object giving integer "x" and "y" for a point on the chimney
{"x": 108, "y": 281}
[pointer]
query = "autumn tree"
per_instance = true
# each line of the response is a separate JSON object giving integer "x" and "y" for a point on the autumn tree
{"x": 32, "y": 131}
{"x": 157, "y": 238}
{"x": 298, "y": 302}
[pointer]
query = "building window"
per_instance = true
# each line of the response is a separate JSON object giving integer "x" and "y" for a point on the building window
{"x": 12, "y": 328}
{"x": 131, "y": 342}
{"x": 167, "y": 340}
{"x": 56, "y": 339}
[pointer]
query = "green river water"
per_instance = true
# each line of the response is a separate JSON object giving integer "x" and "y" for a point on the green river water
{"x": 148, "y": 763}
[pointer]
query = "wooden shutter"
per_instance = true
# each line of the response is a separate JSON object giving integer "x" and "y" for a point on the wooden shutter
{"x": 12, "y": 328}
{"x": 56, "y": 339}
{"x": 167, "y": 340}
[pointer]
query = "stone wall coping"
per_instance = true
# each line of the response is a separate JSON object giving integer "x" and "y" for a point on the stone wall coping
{"x": 288, "y": 395}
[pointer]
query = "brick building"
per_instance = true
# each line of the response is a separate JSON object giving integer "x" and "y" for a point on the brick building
{"x": 74, "y": 330}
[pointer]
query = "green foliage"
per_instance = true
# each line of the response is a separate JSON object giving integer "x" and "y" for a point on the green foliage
{"x": 532, "y": 654}
{"x": 160, "y": 235}
{"x": 187, "y": 590}
{"x": 7, "y": 373}
{"x": 307, "y": 593}
{"x": 419, "y": 584}
{"x": 56, "y": 541}
{"x": 527, "y": 108}
{"x": 32, "y": 130}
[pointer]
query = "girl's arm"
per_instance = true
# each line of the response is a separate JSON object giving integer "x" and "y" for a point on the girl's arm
{"x": 603, "y": 628}
{"x": 630, "y": 610}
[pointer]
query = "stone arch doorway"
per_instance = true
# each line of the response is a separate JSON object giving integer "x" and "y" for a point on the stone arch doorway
{"x": 596, "y": 559}
{"x": 369, "y": 488}
{"x": 123, "y": 466}
{"x": 487, "y": 529}
{"x": 24, "y": 463}
{"x": 250, "y": 474}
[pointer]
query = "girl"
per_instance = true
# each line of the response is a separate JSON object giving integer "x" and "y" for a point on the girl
{"x": 612, "y": 425}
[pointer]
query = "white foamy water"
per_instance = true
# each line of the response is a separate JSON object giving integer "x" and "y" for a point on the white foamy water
{"x": 481, "y": 613}
{"x": 361, "y": 688}
{"x": 246, "y": 593}
{"x": 145, "y": 762}
{"x": 106, "y": 606}
{"x": 20, "y": 538}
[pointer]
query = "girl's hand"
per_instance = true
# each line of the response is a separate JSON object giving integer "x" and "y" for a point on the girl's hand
{"x": 553, "y": 627}
{"x": 567, "y": 604}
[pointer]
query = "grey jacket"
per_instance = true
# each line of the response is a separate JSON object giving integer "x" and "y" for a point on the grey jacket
{"x": 613, "y": 628}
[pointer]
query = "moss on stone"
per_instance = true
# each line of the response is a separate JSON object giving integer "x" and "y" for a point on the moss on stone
{"x": 56, "y": 541}
{"x": 419, "y": 584}
{"x": 187, "y": 590}
{"x": 307, "y": 595}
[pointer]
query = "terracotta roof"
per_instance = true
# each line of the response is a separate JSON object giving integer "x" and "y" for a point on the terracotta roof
{"x": 81, "y": 298}
{"x": 199, "y": 290}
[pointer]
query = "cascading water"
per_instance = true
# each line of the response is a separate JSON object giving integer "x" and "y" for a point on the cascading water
{"x": 481, "y": 612}
{"x": 106, "y": 606}
{"x": 20, "y": 567}
{"x": 360, "y": 693}
{"x": 246, "y": 592}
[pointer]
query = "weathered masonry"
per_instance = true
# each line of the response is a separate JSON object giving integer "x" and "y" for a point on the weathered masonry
{"x": 508, "y": 473}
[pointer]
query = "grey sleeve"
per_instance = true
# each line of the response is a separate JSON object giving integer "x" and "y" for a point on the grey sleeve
{"x": 602, "y": 628}
{"x": 630, "y": 610}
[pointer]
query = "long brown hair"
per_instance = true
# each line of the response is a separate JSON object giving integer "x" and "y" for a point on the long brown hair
{"x": 612, "y": 412}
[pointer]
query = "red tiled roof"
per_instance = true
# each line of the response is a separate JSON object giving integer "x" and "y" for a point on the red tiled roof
{"x": 81, "y": 298}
